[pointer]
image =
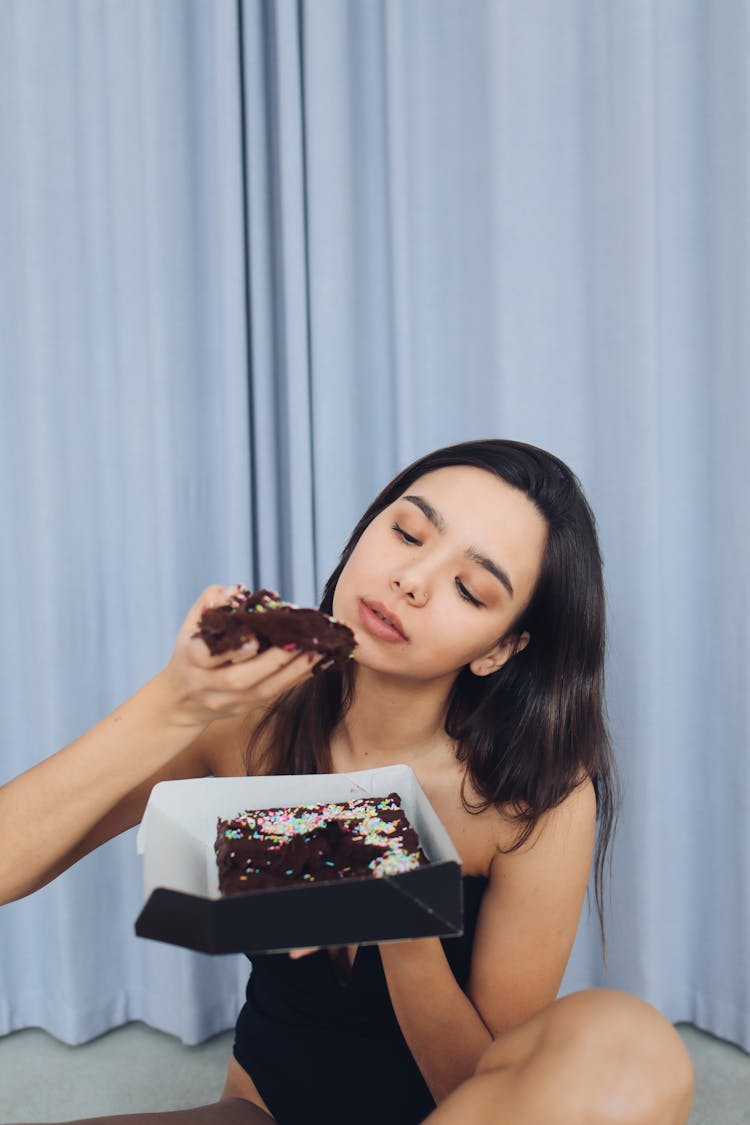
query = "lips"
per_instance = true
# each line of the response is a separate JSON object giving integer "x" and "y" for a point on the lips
{"x": 381, "y": 621}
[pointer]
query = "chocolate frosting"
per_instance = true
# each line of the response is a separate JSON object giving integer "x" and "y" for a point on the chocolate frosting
{"x": 315, "y": 843}
{"x": 265, "y": 615}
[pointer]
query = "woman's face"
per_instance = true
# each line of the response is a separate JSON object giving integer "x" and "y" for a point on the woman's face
{"x": 451, "y": 564}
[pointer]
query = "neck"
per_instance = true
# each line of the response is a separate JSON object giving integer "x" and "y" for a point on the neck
{"x": 391, "y": 721}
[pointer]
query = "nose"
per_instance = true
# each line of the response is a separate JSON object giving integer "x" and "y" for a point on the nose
{"x": 410, "y": 587}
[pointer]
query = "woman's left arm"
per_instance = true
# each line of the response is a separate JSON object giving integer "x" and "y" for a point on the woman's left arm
{"x": 525, "y": 932}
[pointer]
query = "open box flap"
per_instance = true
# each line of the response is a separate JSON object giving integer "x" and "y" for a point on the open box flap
{"x": 198, "y": 802}
{"x": 183, "y": 814}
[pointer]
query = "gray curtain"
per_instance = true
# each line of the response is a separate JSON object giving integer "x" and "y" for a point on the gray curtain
{"x": 256, "y": 257}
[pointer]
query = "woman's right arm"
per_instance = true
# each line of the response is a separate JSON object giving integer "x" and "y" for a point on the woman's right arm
{"x": 98, "y": 785}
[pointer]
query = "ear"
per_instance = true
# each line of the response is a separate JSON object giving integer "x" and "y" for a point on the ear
{"x": 499, "y": 655}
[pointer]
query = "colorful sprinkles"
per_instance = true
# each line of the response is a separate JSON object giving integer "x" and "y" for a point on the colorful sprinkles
{"x": 270, "y": 599}
{"x": 370, "y": 823}
{"x": 272, "y": 620}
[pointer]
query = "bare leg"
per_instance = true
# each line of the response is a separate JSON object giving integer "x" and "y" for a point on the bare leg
{"x": 229, "y": 1111}
{"x": 598, "y": 1057}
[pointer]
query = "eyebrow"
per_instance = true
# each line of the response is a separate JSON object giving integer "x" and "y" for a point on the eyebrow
{"x": 427, "y": 509}
{"x": 438, "y": 523}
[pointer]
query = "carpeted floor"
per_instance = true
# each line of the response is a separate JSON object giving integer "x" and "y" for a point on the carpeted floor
{"x": 138, "y": 1069}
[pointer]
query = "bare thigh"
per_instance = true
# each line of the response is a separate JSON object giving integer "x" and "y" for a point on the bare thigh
{"x": 229, "y": 1111}
{"x": 239, "y": 1084}
{"x": 240, "y": 1104}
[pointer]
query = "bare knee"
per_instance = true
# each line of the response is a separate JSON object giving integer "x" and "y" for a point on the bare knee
{"x": 611, "y": 1058}
{"x": 644, "y": 1072}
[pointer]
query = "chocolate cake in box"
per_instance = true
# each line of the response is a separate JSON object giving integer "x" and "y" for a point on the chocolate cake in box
{"x": 415, "y": 893}
{"x": 262, "y": 848}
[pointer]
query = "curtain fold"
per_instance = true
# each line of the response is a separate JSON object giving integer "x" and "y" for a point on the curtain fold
{"x": 277, "y": 296}
{"x": 125, "y": 453}
{"x": 257, "y": 256}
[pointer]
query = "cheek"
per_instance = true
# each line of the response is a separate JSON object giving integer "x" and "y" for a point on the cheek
{"x": 478, "y": 632}
{"x": 368, "y": 555}
{"x": 459, "y": 639}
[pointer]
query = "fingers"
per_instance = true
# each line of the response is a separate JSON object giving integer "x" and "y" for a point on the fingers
{"x": 269, "y": 663}
{"x": 269, "y": 674}
{"x": 211, "y": 596}
{"x": 200, "y": 654}
{"x": 295, "y": 954}
{"x": 259, "y": 681}
{"x": 198, "y": 651}
{"x": 229, "y": 682}
{"x": 301, "y": 668}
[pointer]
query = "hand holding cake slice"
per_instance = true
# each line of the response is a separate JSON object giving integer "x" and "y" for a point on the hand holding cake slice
{"x": 275, "y": 622}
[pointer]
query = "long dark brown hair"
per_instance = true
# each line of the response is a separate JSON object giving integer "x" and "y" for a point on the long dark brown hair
{"x": 531, "y": 731}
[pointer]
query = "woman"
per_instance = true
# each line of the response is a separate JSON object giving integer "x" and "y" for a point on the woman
{"x": 473, "y": 583}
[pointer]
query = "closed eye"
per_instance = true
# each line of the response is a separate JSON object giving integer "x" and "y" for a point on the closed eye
{"x": 466, "y": 595}
{"x": 405, "y": 535}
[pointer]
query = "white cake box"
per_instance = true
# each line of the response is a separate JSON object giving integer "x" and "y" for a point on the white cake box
{"x": 184, "y": 905}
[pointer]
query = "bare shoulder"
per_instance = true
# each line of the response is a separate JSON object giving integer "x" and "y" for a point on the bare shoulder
{"x": 574, "y": 819}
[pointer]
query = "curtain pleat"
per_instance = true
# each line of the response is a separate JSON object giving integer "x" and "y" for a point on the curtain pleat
{"x": 125, "y": 452}
{"x": 279, "y": 368}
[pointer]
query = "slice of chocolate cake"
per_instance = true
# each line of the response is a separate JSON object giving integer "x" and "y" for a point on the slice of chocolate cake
{"x": 309, "y": 844}
{"x": 265, "y": 615}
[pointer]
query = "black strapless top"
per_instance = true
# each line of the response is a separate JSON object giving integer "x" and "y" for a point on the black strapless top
{"x": 327, "y": 1051}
